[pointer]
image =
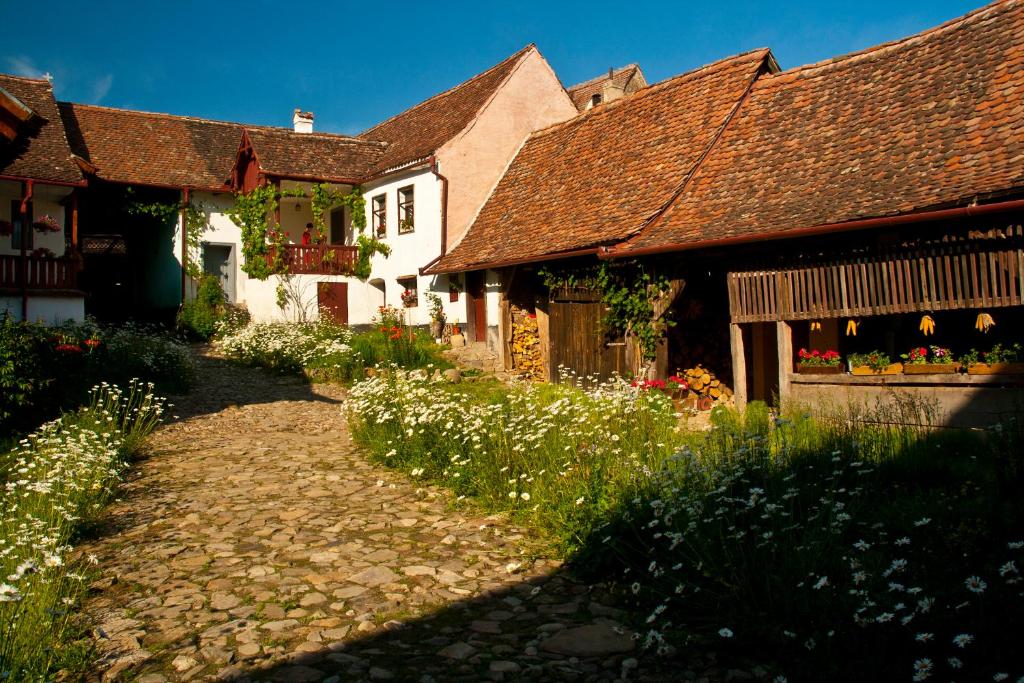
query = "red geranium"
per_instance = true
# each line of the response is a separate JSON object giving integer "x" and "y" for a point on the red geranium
{"x": 815, "y": 357}
{"x": 69, "y": 348}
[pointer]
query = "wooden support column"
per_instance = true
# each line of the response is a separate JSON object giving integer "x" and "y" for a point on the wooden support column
{"x": 184, "y": 243}
{"x": 506, "y": 276}
{"x": 739, "y": 365}
{"x": 784, "y": 337}
{"x": 74, "y": 220}
{"x": 544, "y": 333}
{"x": 26, "y": 196}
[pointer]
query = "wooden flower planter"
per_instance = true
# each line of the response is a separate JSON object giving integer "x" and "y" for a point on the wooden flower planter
{"x": 931, "y": 368}
{"x": 862, "y": 370}
{"x": 995, "y": 369}
{"x": 804, "y": 369}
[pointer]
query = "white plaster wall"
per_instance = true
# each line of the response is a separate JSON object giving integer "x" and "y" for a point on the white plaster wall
{"x": 409, "y": 253}
{"x": 45, "y": 201}
{"x": 49, "y": 310}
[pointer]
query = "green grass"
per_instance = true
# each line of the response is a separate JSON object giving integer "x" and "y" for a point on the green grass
{"x": 822, "y": 546}
{"x": 58, "y": 481}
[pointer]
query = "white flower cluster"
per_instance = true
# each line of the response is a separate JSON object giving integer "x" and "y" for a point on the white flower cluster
{"x": 285, "y": 345}
{"x": 58, "y": 477}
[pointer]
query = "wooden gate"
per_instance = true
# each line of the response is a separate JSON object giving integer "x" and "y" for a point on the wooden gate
{"x": 578, "y": 339}
{"x": 332, "y": 298}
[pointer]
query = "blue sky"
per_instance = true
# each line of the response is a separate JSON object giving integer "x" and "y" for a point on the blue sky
{"x": 355, "y": 64}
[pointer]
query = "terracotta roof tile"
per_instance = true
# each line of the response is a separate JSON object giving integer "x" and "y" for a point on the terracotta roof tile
{"x": 930, "y": 121}
{"x": 419, "y": 131}
{"x": 43, "y": 154}
{"x": 594, "y": 179}
{"x": 623, "y": 77}
{"x": 337, "y": 157}
{"x": 152, "y": 149}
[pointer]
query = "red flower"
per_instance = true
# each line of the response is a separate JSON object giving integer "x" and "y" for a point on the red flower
{"x": 92, "y": 343}
{"x": 69, "y": 348}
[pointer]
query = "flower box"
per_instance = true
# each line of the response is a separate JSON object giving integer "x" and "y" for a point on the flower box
{"x": 931, "y": 368}
{"x": 891, "y": 369}
{"x": 805, "y": 369}
{"x": 995, "y": 369}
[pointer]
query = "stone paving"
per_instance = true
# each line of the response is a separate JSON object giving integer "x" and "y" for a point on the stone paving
{"x": 254, "y": 542}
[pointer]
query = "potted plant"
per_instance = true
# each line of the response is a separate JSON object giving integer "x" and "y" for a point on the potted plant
{"x": 409, "y": 298}
{"x": 815, "y": 362}
{"x": 458, "y": 339}
{"x": 46, "y": 224}
{"x": 929, "y": 360}
{"x": 436, "y": 315}
{"x": 873, "y": 363}
{"x": 1000, "y": 360}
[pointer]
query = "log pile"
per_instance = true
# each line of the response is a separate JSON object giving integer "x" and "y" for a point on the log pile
{"x": 704, "y": 390}
{"x": 526, "y": 357}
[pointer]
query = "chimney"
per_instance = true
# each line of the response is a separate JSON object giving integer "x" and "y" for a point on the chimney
{"x": 303, "y": 121}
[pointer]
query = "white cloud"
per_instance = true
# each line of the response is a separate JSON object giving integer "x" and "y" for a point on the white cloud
{"x": 100, "y": 88}
{"x": 20, "y": 65}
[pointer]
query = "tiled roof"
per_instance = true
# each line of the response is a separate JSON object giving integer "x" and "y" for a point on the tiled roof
{"x": 152, "y": 149}
{"x": 314, "y": 155}
{"x": 419, "y": 131}
{"x": 594, "y": 179}
{"x": 927, "y": 122}
{"x": 42, "y": 154}
{"x": 621, "y": 77}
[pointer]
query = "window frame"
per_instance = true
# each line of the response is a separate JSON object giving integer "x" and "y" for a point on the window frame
{"x": 406, "y": 209}
{"x": 379, "y": 212}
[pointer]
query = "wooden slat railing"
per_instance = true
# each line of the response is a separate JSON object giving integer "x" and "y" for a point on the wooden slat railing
{"x": 945, "y": 275}
{"x": 43, "y": 273}
{"x": 317, "y": 259}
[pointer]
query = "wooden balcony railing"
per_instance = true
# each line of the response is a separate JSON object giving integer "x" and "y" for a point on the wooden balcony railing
{"x": 317, "y": 259}
{"x": 42, "y": 273}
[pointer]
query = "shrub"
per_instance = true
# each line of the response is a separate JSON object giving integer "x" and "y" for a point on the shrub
{"x": 199, "y": 317}
{"x": 64, "y": 474}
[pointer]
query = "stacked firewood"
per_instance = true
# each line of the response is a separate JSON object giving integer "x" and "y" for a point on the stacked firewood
{"x": 526, "y": 357}
{"x": 702, "y": 387}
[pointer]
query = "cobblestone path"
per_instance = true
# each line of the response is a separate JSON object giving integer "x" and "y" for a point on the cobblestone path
{"x": 254, "y": 542}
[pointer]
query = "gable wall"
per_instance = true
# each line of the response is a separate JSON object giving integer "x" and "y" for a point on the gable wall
{"x": 531, "y": 99}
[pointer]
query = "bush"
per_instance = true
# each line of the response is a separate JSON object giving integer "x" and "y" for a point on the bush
{"x": 327, "y": 351}
{"x": 200, "y": 316}
{"x": 44, "y": 370}
{"x": 65, "y": 472}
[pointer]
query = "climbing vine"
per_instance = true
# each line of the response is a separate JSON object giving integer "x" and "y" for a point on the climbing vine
{"x": 629, "y": 290}
{"x": 254, "y": 212}
{"x": 197, "y": 223}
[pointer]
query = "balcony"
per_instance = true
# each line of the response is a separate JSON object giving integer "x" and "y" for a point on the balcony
{"x": 317, "y": 259}
{"x": 41, "y": 273}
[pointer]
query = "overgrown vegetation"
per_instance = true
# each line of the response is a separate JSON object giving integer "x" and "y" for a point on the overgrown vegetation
{"x": 630, "y": 290}
{"x": 330, "y": 352}
{"x": 55, "y": 484}
{"x": 210, "y": 312}
{"x": 44, "y": 370}
{"x": 844, "y": 547}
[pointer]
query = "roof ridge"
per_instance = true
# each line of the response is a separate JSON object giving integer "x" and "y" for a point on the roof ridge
{"x": 651, "y": 90}
{"x": 179, "y": 117}
{"x": 595, "y": 79}
{"x": 315, "y": 134}
{"x": 823, "y": 65}
{"x": 515, "y": 56}
{"x": 41, "y": 79}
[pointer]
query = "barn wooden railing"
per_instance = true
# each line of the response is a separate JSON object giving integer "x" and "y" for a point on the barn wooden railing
{"x": 317, "y": 259}
{"x": 943, "y": 275}
{"x": 43, "y": 273}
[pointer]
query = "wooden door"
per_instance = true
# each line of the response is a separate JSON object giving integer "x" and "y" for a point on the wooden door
{"x": 579, "y": 341}
{"x": 332, "y": 298}
{"x": 476, "y": 304}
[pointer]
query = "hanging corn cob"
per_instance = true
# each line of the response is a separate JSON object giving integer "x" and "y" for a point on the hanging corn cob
{"x": 851, "y": 328}
{"x": 984, "y": 322}
{"x": 927, "y": 325}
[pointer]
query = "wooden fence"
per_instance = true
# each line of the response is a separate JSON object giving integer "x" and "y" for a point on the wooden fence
{"x": 945, "y": 275}
{"x": 318, "y": 259}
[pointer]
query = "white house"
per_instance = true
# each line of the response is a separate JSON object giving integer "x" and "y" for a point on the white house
{"x": 39, "y": 179}
{"x": 424, "y": 174}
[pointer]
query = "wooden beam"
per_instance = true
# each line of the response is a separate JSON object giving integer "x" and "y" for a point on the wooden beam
{"x": 784, "y": 338}
{"x": 739, "y": 365}
{"x": 74, "y": 219}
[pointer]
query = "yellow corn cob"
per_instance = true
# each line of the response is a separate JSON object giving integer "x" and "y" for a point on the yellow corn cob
{"x": 984, "y": 322}
{"x": 927, "y": 325}
{"x": 851, "y": 328}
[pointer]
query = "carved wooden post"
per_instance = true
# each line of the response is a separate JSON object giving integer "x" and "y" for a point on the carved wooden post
{"x": 739, "y": 365}
{"x": 784, "y": 337}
